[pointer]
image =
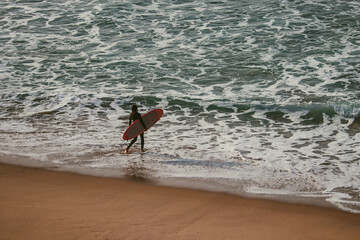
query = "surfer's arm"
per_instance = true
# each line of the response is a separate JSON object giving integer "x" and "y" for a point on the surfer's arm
{"x": 142, "y": 122}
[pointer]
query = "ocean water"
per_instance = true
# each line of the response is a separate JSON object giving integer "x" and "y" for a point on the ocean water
{"x": 259, "y": 97}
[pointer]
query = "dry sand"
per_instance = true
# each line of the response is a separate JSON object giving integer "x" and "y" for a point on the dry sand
{"x": 41, "y": 204}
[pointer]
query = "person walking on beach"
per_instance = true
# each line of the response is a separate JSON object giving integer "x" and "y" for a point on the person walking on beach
{"x": 135, "y": 115}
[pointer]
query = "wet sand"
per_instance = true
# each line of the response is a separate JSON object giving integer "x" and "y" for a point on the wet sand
{"x": 43, "y": 204}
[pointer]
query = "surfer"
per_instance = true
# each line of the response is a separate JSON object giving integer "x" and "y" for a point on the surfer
{"x": 135, "y": 115}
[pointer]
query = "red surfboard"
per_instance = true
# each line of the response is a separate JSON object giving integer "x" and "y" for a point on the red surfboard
{"x": 136, "y": 128}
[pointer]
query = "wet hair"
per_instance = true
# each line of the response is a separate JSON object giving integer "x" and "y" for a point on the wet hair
{"x": 134, "y": 108}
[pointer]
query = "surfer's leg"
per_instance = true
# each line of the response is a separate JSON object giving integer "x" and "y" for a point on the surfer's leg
{"x": 142, "y": 142}
{"x": 131, "y": 143}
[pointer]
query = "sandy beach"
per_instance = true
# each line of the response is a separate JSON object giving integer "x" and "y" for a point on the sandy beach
{"x": 43, "y": 204}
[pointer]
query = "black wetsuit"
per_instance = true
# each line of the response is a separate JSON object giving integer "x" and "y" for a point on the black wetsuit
{"x": 132, "y": 118}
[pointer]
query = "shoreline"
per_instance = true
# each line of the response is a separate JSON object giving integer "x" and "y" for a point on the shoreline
{"x": 36, "y": 203}
{"x": 196, "y": 184}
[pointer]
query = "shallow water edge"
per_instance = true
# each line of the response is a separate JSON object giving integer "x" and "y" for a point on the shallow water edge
{"x": 139, "y": 175}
